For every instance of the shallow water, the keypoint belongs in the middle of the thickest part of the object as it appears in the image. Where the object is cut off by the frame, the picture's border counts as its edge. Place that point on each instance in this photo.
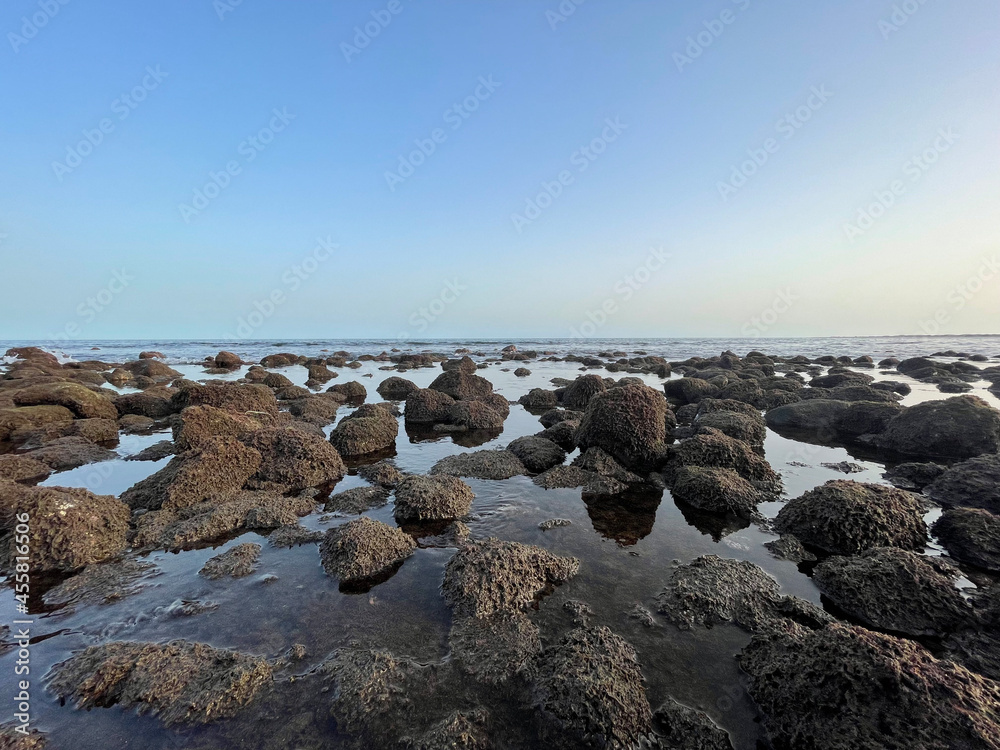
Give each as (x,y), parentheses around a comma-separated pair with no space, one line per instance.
(625,554)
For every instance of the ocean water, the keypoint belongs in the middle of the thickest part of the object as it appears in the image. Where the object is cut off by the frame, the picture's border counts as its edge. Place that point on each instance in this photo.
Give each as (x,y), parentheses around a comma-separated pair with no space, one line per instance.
(191,351)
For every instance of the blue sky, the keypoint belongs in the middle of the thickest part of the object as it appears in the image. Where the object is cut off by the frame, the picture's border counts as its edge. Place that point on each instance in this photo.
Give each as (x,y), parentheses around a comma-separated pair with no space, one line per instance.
(779,168)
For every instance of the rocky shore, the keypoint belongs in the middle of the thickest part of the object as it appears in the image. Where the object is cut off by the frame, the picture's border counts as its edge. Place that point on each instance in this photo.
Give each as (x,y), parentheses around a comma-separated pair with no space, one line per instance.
(881,631)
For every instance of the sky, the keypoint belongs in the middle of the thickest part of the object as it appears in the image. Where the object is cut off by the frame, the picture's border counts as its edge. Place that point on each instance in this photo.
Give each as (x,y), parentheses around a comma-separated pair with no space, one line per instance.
(498,168)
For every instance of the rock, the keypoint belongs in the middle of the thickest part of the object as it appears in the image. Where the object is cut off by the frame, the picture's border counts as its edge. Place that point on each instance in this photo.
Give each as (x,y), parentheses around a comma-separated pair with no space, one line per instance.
(31,417)
(685,728)
(750,429)
(971,536)
(276,380)
(460,729)
(235,397)
(557,416)
(368,430)
(33,354)
(396,389)
(484,464)
(292,460)
(83,402)
(153,370)
(357,500)
(238,562)
(537,453)
(68,527)
(711,448)
(716,491)
(579,393)
(197,424)
(554,523)
(103,583)
(495,648)
(94,430)
(70,452)
(845,377)
(971,484)
(629,424)
(155,452)
(427,406)
(462,386)
(363,550)
(293,535)
(522,372)
(221,464)
(827,419)
(562,434)
(847,688)
(371,693)
(434,498)
(844,517)
(134,424)
(318,374)
(22,469)
(559,477)
(960,427)
(538,399)
(913,476)
(689,390)
(465,364)
(712,591)
(475,415)
(382,473)
(589,691)
(225,514)
(155,403)
(601,462)
(228,360)
(845,467)
(282,359)
(788,547)
(179,682)
(492,576)
(896,590)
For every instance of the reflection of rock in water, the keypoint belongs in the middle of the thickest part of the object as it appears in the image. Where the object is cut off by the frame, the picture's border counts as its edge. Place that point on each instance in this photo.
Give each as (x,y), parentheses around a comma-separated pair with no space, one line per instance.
(714,525)
(459,435)
(626,517)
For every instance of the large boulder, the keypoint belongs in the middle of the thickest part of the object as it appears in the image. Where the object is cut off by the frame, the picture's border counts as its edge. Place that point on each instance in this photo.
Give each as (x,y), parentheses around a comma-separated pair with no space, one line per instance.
(15,468)
(197,424)
(494,576)
(66,528)
(711,448)
(629,423)
(364,549)
(32,417)
(396,388)
(235,397)
(293,460)
(427,406)
(716,490)
(370,429)
(83,402)
(221,464)
(462,386)
(154,403)
(971,484)
(691,390)
(751,429)
(959,427)
(578,393)
(847,688)
(589,690)
(538,399)
(435,498)
(971,535)
(896,590)
(843,517)
(179,682)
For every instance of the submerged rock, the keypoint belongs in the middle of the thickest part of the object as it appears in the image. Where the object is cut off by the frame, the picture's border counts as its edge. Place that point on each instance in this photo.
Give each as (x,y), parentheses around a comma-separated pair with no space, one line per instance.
(238,562)
(589,690)
(357,500)
(495,648)
(382,473)
(559,477)
(364,549)
(914,476)
(484,464)
(494,576)
(896,590)
(467,730)
(537,453)
(436,498)
(844,517)
(179,682)
(102,583)
(971,536)
(684,728)
(847,688)
(293,535)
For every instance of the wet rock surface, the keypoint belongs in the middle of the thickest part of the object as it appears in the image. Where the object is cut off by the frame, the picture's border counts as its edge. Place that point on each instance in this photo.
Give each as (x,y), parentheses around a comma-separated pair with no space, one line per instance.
(238,562)
(971,484)
(847,688)
(484,464)
(434,498)
(684,728)
(363,550)
(971,535)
